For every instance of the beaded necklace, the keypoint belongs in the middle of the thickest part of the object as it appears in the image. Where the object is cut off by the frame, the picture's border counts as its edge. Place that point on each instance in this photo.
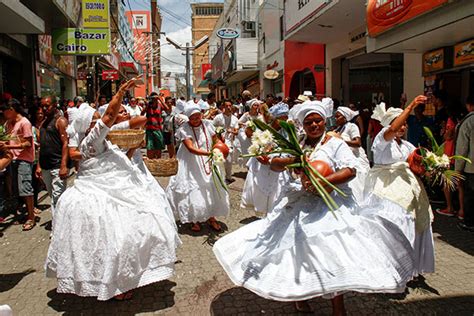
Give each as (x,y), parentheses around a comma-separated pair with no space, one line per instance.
(208,172)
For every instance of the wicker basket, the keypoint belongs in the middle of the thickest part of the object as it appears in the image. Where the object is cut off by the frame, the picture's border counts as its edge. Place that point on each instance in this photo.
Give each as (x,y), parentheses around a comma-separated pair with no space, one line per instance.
(162,167)
(127,138)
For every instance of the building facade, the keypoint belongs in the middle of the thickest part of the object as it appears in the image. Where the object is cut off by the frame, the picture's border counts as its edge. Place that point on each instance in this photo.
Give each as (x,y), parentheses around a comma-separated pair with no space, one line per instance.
(203,20)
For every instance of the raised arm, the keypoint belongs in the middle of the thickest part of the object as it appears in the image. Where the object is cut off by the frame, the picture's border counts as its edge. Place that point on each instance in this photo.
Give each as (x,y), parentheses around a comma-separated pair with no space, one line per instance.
(391,132)
(112,111)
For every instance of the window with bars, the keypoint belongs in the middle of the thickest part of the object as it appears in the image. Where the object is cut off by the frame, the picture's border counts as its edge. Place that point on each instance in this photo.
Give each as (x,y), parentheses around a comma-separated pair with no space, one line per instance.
(208,11)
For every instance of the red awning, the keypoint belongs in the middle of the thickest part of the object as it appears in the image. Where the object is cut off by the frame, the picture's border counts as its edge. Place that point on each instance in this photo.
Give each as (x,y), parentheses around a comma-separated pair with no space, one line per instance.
(128,67)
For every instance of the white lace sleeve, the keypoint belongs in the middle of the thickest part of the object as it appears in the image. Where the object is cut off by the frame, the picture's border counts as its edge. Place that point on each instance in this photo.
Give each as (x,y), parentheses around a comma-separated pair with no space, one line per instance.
(184,132)
(380,143)
(344,157)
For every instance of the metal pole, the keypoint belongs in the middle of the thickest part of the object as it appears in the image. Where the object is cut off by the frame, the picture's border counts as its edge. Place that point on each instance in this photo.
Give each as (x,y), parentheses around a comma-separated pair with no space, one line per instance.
(188,73)
(147,69)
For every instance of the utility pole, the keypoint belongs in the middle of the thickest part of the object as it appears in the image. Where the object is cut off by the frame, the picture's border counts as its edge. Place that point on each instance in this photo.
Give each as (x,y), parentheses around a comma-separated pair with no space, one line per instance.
(188,49)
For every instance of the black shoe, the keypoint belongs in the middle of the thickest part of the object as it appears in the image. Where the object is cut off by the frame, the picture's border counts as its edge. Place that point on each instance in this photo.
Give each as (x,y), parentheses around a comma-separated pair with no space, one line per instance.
(463,226)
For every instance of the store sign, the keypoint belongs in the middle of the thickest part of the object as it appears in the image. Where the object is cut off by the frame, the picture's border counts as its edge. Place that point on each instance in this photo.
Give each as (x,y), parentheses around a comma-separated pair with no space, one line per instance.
(72,41)
(464,53)
(227,33)
(140,21)
(110,74)
(383,15)
(66,64)
(204,69)
(299,11)
(95,14)
(433,61)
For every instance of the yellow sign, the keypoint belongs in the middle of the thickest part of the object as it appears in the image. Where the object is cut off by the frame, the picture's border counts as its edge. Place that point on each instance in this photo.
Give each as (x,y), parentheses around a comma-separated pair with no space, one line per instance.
(464,53)
(95,14)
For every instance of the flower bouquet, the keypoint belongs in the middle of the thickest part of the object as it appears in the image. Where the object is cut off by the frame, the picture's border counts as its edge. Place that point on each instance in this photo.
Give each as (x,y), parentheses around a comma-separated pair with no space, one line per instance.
(216,162)
(434,164)
(267,141)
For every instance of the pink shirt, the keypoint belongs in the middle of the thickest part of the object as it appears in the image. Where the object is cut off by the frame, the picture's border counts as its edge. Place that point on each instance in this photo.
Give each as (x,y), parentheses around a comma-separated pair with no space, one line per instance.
(21,129)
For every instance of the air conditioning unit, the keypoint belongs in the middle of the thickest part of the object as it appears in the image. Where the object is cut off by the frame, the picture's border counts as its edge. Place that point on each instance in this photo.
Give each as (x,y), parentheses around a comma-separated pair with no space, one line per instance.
(248,26)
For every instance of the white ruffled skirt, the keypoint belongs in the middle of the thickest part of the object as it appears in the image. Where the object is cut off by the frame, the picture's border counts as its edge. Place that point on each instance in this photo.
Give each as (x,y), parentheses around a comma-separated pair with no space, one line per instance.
(262,187)
(112,231)
(300,251)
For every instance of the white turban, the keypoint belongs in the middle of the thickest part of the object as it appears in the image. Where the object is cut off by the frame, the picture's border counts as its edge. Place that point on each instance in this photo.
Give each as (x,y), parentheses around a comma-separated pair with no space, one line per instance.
(180,104)
(279,109)
(203,105)
(347,113)
(84,118)
(191,108)
(323,108)
(385,116)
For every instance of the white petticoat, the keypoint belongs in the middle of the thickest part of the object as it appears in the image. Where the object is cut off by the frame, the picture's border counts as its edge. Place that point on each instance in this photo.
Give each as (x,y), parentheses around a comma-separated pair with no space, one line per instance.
(262,187)
(113,231)
(300,251)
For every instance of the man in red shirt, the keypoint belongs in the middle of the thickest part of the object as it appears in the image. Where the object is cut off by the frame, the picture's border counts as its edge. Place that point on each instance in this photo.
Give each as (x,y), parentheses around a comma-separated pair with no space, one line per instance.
(23,150)
(154,127)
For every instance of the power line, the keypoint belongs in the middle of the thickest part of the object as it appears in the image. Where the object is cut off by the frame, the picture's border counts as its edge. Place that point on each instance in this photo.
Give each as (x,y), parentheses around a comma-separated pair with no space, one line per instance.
(123,39)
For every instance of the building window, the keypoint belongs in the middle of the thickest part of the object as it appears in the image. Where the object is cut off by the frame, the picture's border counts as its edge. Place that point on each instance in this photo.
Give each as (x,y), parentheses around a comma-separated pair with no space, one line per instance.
(208,11)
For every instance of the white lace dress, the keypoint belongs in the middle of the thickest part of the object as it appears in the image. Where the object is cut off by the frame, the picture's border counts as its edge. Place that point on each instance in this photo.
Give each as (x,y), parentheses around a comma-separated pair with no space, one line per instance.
(405,202)
(349,132)
(113,232)
(301,250)
(192,192)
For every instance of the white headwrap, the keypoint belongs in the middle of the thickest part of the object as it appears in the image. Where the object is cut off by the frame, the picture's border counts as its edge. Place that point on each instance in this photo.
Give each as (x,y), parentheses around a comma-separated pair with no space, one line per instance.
(180,105)
(279,109)
(191,108)
(347,113)
(203,105)
(385,116)
(251,102)
(323,108)
(83,119)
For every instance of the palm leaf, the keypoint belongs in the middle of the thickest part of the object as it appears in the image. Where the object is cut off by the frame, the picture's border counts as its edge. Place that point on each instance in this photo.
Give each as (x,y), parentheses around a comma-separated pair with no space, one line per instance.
(459,157)
(432,139)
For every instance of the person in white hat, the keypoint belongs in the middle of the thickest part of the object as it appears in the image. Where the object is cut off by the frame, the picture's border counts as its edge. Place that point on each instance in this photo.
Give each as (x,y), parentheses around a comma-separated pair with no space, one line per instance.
(392,183)
(109,218)
(301,250)
(192,192)
(349,132)
(262,185)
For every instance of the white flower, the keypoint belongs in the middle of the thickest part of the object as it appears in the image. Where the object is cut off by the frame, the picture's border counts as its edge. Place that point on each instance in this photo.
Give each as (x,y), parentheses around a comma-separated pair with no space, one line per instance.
(219,130)
(217,156)
(254,149)
(250,124)
(444,161)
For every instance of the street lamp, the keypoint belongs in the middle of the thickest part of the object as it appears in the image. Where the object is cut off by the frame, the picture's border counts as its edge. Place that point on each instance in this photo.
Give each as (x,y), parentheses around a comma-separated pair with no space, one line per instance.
(188,48)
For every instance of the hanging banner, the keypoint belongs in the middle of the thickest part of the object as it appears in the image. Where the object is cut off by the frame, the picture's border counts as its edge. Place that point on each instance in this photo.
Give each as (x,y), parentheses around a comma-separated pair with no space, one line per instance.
(383,15)
(95,13)
(72,41)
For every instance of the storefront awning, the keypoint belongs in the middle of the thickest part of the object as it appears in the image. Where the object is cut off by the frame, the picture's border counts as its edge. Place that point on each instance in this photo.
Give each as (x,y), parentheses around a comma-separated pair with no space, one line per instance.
(240,75)
(18,19)
(129,68)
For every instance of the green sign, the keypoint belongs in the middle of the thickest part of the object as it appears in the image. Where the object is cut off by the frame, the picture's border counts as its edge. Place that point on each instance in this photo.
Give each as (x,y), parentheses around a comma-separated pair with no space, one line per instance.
(72,41)
(95,13)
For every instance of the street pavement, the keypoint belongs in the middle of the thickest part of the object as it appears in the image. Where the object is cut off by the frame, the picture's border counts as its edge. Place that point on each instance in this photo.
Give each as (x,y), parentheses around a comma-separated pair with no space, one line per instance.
(201,287)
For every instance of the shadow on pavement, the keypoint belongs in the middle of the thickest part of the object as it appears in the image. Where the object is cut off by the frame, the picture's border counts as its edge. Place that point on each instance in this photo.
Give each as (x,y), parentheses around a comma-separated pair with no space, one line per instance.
(10,280)
(151,298)
(212,235)
(241,301)
(240,174)
(249,220)
(450,233)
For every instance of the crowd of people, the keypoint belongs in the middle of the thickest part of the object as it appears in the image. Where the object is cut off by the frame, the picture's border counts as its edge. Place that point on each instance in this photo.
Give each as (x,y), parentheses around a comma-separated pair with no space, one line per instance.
(115,228)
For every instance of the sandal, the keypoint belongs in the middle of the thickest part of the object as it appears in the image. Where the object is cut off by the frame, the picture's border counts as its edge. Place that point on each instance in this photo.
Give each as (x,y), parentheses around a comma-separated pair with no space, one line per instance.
(29,224)
(303,307)
(124,297)
(196,227)
(214,224)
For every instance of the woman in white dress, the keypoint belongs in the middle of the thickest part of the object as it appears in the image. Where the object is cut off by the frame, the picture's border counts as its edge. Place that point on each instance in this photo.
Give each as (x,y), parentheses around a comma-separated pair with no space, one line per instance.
(112,231)
(392,183)
(263,185)
(245,133)
(192,192)
(349,132)
(301,250)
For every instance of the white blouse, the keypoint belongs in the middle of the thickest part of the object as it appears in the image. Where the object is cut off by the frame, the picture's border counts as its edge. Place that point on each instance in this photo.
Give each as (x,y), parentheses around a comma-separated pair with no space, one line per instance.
(389,152)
